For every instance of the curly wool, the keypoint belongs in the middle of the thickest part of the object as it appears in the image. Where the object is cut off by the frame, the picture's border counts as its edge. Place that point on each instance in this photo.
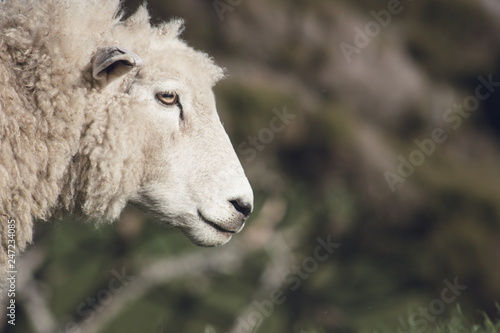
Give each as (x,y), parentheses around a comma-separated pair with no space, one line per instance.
(60,148)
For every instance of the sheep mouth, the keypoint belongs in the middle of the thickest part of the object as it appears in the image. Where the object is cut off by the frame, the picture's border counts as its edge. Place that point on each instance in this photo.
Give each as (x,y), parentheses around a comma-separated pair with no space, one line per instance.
(215,226)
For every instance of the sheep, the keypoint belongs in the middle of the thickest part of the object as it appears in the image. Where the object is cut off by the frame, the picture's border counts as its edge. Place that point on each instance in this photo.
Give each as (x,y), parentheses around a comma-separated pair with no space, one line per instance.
(98,112)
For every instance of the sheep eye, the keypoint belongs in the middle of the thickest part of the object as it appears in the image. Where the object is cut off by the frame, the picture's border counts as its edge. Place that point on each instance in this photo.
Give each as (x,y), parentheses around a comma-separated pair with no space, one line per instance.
(168,98)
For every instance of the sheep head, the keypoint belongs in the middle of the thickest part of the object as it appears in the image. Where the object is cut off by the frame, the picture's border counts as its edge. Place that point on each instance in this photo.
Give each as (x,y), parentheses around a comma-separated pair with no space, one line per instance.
(191,177)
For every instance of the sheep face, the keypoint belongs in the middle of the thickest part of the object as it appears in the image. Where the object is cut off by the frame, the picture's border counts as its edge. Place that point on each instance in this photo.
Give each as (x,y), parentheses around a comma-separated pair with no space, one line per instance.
(192,178)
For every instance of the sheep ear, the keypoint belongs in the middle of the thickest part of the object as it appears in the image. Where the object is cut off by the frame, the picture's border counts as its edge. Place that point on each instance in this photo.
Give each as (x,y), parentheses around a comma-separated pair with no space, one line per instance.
(113,60)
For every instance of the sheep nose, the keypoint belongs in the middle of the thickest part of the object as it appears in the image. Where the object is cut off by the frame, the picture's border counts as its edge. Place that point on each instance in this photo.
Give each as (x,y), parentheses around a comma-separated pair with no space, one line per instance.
(242,206)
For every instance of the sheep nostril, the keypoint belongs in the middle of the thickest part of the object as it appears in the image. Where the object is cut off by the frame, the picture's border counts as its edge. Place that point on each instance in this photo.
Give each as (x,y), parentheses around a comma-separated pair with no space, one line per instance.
(242,206)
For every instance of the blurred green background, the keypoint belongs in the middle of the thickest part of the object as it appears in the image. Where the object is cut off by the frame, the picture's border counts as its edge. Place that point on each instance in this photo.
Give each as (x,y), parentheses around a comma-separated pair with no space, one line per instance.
(322,175)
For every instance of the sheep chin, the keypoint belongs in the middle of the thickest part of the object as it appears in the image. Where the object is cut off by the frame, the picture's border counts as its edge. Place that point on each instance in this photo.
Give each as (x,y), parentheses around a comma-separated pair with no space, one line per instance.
(206,235)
